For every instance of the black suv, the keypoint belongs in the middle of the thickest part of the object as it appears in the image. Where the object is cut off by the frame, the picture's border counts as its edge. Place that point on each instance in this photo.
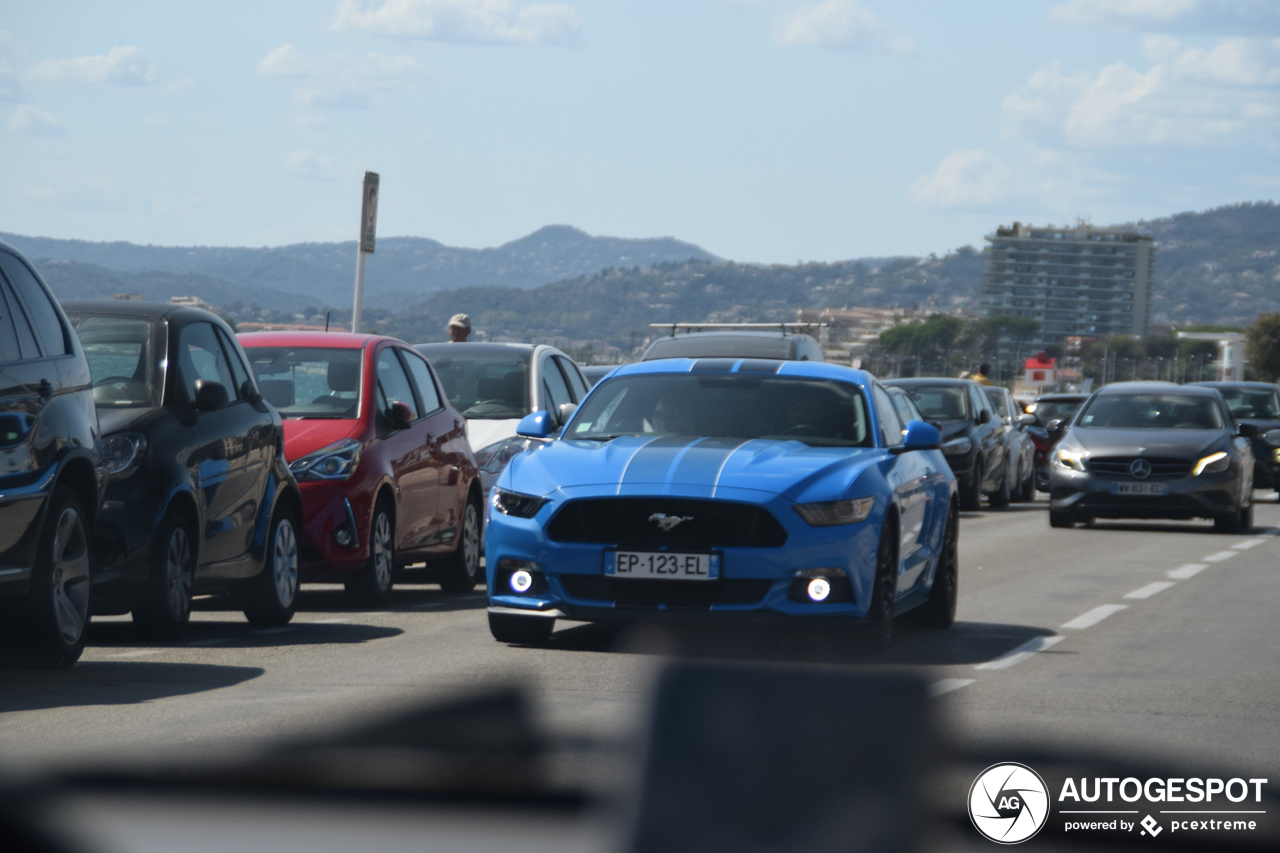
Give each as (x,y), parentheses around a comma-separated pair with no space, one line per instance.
(51,474)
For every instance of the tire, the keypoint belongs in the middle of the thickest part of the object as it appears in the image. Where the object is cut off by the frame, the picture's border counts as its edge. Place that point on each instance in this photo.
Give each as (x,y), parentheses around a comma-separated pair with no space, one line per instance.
(1236,522)
(372,584)
(462,571)
(272,596)
(939,611)
(165,607)
(1027,488)
(1061,519)
(1246,519)
(1000,498)
(971,489)
(56,608)
(884,591)
(520,630)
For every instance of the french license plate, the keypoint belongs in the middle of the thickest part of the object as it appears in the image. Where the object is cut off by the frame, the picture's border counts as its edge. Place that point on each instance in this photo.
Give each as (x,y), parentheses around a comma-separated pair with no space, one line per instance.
(662,565)
(1139,489)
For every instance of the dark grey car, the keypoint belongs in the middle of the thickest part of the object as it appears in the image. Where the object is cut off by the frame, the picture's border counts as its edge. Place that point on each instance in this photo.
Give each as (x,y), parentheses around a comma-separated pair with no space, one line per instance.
(1258,404)
(1154,450)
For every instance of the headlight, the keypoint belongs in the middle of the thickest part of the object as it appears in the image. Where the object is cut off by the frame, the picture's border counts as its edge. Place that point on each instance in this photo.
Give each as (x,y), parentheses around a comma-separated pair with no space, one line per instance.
(1068,458)
(122,452)
(336,462)
(1211,464)
(494,457)
(957,447)
(516,504)
(1272,437)
(830,513)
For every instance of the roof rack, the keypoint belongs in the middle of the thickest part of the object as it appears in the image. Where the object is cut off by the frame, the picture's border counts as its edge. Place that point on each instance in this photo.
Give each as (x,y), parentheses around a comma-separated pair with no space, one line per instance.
(781,328)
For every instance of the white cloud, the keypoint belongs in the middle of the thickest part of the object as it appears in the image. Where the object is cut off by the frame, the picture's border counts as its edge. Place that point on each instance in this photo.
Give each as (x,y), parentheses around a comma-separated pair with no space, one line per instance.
(340,80)
(966,178)
(305,120)
(1121,11)
(28,119)
(311,165)
(1240,17)
(839,24)
(127,64)
(462,20)
(180,84)
(1225,95)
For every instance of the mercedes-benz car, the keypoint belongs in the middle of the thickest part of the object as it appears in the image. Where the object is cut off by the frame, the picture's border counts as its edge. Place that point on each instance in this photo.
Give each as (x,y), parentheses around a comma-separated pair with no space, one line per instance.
(1154,450)
(724,489)
(1257,404)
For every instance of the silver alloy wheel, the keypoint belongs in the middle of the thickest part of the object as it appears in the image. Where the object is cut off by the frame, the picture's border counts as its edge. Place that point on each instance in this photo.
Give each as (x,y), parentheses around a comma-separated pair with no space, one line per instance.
(70,576)
(177,574)
(285,563)
(470,540)
(382,552)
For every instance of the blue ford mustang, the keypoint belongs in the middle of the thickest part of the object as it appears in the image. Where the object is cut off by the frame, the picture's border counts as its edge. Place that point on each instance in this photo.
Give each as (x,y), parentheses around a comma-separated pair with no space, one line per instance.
(723,489)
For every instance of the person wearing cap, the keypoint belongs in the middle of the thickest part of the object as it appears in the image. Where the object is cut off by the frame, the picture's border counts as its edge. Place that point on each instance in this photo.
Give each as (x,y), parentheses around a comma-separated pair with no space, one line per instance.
(459,328)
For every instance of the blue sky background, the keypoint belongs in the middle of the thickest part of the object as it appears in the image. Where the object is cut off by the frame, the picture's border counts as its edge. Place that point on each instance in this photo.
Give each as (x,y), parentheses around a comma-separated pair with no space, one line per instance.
(763,130)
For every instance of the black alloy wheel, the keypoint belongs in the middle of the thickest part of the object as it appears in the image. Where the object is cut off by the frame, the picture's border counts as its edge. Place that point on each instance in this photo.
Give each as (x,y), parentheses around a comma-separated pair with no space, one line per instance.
(462,571)
(939,611)
(520,630)
(56,608)
(272,596)
(165,607)
(372,584)
(884,590)
(971,489)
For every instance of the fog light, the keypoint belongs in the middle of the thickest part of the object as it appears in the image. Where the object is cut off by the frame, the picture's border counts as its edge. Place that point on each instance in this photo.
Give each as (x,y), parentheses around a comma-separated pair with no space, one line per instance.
(343,537)
(819,589)
(521,581)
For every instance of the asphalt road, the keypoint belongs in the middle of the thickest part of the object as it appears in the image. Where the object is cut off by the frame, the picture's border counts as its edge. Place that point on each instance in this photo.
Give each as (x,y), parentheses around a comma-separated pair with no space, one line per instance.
(1156,639)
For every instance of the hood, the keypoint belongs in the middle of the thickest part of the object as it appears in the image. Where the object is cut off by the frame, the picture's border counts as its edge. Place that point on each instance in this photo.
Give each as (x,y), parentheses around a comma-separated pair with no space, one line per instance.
(112,420)
(482,432)
(788,468)
(307,436)
(1189,443)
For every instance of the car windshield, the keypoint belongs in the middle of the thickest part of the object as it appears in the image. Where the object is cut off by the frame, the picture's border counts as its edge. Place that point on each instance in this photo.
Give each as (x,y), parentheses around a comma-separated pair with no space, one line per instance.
(490,385)
(122,354)
(939,402)
(728,405)
(1052,410)
(1151,411)
(309,382)
(1259,403)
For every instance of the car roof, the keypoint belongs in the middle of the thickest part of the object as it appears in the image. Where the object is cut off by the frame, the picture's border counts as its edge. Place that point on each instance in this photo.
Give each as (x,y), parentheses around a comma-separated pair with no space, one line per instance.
(930,380)
(130,308)
(1258,385)
(780,367)
(1148,387)
(323,340)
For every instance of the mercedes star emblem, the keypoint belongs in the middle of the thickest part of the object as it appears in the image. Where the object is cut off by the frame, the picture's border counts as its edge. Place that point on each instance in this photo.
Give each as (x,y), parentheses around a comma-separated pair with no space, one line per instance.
(1140,469)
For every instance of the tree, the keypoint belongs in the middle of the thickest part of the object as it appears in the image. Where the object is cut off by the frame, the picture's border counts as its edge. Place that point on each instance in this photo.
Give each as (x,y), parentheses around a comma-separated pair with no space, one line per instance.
(1262,345)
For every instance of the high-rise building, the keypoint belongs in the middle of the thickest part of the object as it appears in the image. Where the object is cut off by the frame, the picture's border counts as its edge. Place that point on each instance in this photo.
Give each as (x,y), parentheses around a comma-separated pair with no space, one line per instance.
(1080,280)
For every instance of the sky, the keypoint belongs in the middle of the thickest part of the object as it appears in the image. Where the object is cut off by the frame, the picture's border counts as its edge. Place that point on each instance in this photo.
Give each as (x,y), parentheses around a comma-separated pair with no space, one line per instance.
(770,131)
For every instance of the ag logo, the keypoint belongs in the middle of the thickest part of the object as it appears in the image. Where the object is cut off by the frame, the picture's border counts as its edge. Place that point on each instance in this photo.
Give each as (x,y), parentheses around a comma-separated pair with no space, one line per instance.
(1008,803)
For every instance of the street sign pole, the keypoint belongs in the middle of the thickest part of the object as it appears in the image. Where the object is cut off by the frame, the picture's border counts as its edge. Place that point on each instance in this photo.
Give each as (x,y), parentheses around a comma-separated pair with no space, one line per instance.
(364,245)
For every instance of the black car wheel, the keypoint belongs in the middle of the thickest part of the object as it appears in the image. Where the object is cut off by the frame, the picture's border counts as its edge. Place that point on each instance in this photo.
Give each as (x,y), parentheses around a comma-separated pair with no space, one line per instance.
(1027,488)
(57,601)
(971,489)
(884,591)
(372,584)
(939,611)
(1000,497)
(272,596)
(520,630)
(463,569)
(1236,522)
(1059,518)
(165,607)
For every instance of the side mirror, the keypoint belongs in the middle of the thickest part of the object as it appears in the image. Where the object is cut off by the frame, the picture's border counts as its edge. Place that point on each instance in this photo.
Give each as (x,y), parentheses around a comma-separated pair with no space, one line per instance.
(211,395)
(566,411)
(400,415)
(1248,430)
(1056,424)
(536,425)
(984,417)
(250,392)
(920,436)
(1027,420)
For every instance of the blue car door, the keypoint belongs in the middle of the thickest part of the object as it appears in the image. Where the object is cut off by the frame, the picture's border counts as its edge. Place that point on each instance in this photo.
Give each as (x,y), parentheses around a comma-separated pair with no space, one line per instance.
(907,474)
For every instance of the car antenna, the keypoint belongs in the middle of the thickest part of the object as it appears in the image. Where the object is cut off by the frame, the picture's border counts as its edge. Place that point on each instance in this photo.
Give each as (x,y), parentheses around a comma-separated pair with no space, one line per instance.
(326,319)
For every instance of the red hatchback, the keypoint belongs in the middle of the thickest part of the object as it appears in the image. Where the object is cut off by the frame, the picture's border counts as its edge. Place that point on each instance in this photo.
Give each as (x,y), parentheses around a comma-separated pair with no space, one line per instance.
(381,456)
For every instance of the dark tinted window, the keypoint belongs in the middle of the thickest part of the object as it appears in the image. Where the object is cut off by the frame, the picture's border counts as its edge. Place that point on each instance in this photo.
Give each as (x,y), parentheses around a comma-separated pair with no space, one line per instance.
(393,382)
(557,390)
(1151,411)
(484,384)
(720,346)
(421,375)
(238,371)
(200,356)
(309,382)
(903,406)
(946,402)
(1000,400)
(1049,410)
(9,350)
(43,314)
(890,426)
(123,359)
(1244,402)
(577,386)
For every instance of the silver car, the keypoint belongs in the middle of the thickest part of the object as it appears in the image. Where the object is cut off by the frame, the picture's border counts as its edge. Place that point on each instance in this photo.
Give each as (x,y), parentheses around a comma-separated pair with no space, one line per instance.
(1153,450)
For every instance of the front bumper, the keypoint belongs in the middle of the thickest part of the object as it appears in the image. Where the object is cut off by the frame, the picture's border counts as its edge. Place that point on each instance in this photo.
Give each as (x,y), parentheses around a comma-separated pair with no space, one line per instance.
(1089,495)
(328,507)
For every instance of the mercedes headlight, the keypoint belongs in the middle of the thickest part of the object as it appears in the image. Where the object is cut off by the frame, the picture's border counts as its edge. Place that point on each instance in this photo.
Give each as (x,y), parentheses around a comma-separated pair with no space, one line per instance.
(1067,457)
(338,461)
(122,453)
(1214,463)
(831,513)
(957,447)
(516,504)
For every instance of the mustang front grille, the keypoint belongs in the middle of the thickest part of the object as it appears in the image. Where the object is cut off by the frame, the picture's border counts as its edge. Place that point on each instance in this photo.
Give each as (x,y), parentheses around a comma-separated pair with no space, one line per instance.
(672,523)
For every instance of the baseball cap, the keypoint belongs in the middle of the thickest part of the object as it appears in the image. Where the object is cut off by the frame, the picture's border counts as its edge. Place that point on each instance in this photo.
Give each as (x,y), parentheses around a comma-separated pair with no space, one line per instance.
(460,320)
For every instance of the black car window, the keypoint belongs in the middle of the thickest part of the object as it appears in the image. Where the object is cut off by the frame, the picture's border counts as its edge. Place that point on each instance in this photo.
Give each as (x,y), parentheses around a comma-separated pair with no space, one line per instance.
(940,402)
(422,380)
(890,426)
(483,384)
(44,316)
(1152,411)
(577,386)
(1257,403)
(394,383)
(556,389)
(309,382)
(122,357)
(200,356)
(978,400)
(903,406)
(9,349)
(1050,410)
(238,371)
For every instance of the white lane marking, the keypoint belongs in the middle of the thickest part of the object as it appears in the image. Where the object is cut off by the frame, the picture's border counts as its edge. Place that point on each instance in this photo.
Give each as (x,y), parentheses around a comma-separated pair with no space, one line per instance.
(1094,616)
(137,653)
(1190,570)
(1220,556)
(216,641)
(1028,649)
(1149,590)
(279,629)
(1248,543)
(946,685)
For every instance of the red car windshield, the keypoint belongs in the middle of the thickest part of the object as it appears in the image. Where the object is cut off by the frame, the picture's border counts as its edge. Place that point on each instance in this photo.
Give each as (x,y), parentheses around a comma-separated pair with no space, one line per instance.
(309,382)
